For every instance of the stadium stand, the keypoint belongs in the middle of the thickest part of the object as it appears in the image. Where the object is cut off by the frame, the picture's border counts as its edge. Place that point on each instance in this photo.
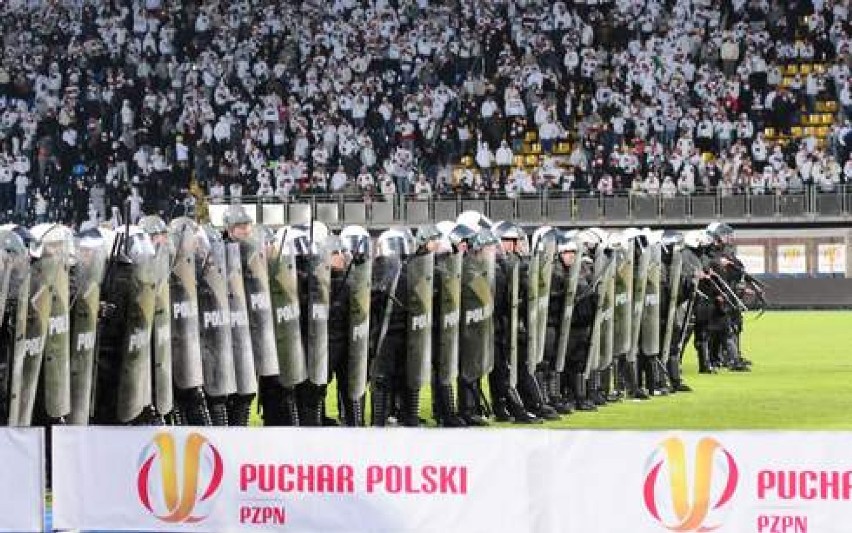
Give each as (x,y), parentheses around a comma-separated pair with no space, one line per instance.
(157,105)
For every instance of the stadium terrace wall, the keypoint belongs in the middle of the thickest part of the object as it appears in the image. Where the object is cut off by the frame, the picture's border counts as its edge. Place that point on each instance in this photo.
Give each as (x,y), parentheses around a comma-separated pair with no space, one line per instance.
(563,209)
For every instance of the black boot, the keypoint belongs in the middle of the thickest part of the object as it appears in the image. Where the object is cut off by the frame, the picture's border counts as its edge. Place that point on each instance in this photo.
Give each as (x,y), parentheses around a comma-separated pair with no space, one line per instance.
(517,411)
(618,376)
(735,364)
(560,403)
(176,417)
(677,384)
(195,407)
(289,408)
(411,408)
(445,407)
(631,381)
(610,394)
(581,398)
(353,412)
(218,407)
(499,403)
(239,409)
(594,388)
(381,402)
(540,407)
(702,350)
(469,404)
(653,379)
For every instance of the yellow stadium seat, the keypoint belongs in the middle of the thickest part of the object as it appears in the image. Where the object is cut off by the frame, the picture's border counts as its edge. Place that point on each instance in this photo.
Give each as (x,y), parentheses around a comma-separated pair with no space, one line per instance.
(532,160)
(791,70)
(796,131)
(535,148)
(819,67)
(823,131)
(804,69)
(831,106)
(806,119)
(518,160)
(828,119)
(531,136)
(769,132)
(467,161)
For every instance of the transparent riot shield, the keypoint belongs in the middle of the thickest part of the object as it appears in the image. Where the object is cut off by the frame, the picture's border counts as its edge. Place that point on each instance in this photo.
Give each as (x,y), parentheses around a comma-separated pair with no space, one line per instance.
(420,271)
(214,315)
(87,276)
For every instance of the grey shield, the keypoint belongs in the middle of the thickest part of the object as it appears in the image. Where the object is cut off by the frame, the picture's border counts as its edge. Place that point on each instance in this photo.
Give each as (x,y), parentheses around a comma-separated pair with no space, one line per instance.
(602,271)
(284,290)
(386,274)
(476,347)
(514,291)
(186,348)
(623,308)
(607,330)
(134,381)
(675,270)
(319,294)
(357,356)
(418,363)
(5,273)
(57,343)
(240,332)
(650,336)
(531,281)
(161,343)
(640,280)
(448,270)
(84,323)
(547,254)
(567,312)
(27,368)
(17,302)
(261,324)
(214,316)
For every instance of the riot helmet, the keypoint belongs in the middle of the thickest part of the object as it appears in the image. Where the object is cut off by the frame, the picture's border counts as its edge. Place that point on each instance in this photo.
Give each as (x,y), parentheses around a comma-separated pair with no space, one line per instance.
(393,242)
(460,237)
(356,241)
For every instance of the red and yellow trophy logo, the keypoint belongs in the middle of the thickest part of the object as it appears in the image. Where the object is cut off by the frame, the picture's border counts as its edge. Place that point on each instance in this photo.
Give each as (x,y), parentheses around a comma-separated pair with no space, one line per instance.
(179,487)
(667,492)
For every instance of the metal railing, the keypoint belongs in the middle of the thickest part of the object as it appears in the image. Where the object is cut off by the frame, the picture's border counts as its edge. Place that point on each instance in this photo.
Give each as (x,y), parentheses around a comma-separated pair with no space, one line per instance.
(811,206)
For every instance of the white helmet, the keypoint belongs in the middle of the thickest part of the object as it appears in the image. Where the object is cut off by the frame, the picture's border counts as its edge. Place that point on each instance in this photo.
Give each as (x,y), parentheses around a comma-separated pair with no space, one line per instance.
(474,220)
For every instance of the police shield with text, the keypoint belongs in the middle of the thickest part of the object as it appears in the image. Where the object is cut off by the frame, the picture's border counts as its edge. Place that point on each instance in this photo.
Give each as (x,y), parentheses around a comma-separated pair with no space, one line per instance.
(87,275)
(239,404)
(214,320)
(349,321)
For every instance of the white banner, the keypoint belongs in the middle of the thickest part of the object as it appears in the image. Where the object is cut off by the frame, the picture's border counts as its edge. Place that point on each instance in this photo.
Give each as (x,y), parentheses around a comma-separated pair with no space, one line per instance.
(831,258)
(737,482)
(22,479)
(185,479)
(300,479)
(792,259)
(753,258)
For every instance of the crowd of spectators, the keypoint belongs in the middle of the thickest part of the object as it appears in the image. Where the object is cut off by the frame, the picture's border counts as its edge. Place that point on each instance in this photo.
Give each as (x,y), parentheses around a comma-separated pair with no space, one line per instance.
(148,104)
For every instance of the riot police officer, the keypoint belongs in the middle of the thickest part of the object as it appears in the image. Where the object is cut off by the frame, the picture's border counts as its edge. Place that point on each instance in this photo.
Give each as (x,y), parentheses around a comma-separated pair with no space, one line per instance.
(349,321)
(401,325)
(510,303)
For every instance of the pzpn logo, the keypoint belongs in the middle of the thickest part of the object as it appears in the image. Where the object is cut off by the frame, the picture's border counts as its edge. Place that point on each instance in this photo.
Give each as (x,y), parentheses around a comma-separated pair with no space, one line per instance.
(178,486)
(686,495)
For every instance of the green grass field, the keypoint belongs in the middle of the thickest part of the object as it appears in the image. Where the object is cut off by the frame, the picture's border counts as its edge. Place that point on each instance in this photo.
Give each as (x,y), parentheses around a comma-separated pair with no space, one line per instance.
(800,380)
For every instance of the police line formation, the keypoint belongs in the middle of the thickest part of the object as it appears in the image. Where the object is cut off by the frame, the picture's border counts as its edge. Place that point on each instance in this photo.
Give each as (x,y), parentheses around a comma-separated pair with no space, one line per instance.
(183,324)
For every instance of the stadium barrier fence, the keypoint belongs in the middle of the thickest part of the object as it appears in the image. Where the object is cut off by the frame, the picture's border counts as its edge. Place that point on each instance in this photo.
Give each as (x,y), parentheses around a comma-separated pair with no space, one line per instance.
(809,206)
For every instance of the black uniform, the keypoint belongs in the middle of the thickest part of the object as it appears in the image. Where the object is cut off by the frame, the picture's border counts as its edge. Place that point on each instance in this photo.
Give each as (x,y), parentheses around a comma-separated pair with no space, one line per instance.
(505,398)
(579,340)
